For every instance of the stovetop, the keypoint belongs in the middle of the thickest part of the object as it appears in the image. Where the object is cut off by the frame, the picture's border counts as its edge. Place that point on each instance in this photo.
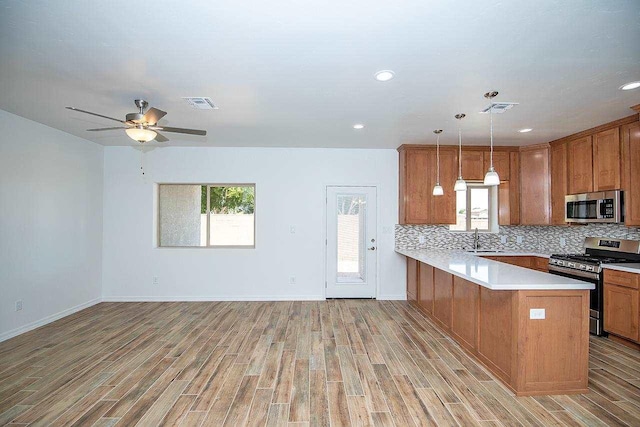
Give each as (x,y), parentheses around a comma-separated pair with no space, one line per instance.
(590,259)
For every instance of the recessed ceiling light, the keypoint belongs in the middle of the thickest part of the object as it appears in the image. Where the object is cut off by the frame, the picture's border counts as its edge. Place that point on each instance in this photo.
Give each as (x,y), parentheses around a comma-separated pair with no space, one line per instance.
(384,75)
(525,130)
(629,86)
(358,126)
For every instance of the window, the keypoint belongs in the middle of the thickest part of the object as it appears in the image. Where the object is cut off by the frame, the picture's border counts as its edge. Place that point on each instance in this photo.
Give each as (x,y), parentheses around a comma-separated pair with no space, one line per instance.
(200,215)
(475,209)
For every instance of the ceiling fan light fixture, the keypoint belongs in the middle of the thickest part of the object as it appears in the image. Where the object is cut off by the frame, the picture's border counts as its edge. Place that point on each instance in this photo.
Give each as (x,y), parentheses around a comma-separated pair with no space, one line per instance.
(141,134)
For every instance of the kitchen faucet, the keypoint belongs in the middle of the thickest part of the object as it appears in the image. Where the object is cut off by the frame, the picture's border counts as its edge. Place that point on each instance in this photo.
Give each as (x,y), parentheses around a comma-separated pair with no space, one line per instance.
(476,240)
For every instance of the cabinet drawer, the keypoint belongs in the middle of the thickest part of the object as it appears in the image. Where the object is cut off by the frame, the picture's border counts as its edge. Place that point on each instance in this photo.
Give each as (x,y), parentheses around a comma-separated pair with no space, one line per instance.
(621,278)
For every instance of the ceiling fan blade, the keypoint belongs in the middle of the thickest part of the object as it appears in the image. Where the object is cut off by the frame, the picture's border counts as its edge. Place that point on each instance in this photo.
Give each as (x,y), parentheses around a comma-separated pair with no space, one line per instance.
(95,114)
(182,130)
(153,115)
(101,129)
(160,137)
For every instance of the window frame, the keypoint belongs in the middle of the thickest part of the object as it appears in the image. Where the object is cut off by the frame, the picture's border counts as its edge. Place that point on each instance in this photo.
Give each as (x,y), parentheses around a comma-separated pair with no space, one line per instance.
(208,232)
(492,210)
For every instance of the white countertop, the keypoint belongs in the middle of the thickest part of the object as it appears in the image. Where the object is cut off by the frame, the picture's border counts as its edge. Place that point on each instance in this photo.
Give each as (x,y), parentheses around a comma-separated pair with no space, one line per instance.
(630,267)
(493,274)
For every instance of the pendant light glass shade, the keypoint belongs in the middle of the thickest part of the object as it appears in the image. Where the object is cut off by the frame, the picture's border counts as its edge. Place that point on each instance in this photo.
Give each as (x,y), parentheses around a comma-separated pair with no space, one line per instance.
(437,189)
(460,184)
(491,178)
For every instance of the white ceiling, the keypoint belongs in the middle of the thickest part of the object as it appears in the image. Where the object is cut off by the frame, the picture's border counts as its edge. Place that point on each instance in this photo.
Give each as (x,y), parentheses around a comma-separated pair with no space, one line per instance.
(300,73)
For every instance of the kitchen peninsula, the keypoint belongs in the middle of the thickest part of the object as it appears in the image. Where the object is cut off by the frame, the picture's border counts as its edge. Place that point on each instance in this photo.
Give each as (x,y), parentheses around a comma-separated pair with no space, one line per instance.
(529,328)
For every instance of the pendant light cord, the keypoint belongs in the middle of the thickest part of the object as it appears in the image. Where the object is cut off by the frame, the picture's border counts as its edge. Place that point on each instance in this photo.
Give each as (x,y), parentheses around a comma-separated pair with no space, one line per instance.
(491,120)
(459,151)
(438,159)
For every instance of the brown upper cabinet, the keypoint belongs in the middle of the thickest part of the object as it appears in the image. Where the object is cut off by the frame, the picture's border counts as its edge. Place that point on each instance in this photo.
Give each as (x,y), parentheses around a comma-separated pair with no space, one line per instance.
(473,165)
(606,160)
(631,168)
(534,179)
(580,156)
(534,185)
(558,182)
(501,163)
(417,178)
(594,162)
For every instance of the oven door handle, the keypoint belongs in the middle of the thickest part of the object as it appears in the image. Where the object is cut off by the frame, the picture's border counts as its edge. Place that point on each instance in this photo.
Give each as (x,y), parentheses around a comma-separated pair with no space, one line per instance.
(573,272)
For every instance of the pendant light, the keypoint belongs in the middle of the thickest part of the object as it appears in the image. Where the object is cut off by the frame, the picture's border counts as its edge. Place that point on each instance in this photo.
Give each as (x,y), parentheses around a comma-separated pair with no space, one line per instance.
(437,189)
(460,185)
(491,178)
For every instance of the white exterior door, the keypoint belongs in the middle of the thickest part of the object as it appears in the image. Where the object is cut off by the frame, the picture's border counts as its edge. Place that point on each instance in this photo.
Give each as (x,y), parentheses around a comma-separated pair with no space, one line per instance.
(351,242)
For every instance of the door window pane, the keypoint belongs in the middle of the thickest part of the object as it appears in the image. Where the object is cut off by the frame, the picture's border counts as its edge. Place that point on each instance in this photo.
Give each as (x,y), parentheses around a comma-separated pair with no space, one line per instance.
(351,212)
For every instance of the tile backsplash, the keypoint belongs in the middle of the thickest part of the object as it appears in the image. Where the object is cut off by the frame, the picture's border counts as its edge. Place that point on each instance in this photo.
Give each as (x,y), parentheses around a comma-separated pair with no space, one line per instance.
(540,239)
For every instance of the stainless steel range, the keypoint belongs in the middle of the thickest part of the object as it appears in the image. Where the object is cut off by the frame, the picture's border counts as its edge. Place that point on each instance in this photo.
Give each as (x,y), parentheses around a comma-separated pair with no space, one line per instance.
(588,267)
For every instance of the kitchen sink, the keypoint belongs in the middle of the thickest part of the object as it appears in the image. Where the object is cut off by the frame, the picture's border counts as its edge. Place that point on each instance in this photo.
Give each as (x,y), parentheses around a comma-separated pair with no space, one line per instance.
(483,251)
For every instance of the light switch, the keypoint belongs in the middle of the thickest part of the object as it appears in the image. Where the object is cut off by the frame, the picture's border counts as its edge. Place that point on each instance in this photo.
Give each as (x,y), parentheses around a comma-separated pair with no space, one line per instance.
(503,239)
(537,313)
(292,229)
(422,240)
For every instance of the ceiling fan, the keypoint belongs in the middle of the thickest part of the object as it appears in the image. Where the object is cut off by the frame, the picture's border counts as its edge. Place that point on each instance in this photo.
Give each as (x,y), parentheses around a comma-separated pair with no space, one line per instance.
(143,127)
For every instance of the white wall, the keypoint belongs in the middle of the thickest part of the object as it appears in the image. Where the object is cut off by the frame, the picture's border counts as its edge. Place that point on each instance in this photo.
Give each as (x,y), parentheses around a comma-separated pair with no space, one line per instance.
(50,223)
(290,187)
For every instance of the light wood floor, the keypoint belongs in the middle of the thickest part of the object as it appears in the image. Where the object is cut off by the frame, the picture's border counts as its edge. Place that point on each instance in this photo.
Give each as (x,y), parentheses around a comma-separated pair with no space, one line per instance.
(348,362)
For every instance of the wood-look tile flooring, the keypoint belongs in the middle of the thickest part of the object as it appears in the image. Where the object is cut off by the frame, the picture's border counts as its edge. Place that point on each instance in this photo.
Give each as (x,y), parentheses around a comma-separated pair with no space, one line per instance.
(347,362)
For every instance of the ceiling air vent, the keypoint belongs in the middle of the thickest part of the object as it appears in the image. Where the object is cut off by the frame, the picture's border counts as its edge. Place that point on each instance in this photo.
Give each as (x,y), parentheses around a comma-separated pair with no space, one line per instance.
(498,107)
(200,102)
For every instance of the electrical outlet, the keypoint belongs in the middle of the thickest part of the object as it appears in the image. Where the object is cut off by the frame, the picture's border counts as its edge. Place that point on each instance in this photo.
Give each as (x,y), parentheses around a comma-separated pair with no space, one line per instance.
(19,305)
(537,313)
(519,239)
(292,280)
(292,229)
(503,239)
(422,240)
(563,241)
(155,280)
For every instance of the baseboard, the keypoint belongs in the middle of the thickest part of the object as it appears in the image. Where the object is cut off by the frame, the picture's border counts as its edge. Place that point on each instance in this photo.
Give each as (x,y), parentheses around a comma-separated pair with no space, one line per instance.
(401,297)
(213,298)
(46,320)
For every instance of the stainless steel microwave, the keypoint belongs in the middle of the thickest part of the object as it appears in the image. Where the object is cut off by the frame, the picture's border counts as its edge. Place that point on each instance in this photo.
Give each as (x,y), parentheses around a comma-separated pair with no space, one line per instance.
(603,206)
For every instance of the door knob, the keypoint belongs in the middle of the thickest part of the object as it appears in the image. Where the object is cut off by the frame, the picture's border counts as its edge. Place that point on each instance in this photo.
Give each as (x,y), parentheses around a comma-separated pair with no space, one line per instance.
(372,248)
